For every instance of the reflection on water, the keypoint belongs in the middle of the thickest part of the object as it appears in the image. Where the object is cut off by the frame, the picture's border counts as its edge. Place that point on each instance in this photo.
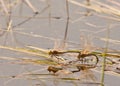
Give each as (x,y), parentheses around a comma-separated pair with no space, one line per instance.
(24,26)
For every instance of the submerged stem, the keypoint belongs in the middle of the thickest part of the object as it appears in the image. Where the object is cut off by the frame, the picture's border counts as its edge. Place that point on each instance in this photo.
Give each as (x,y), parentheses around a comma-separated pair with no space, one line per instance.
(67,22)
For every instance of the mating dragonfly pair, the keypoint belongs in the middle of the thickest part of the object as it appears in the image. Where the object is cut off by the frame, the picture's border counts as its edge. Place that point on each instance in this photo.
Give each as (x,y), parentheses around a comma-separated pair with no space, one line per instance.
(82,58)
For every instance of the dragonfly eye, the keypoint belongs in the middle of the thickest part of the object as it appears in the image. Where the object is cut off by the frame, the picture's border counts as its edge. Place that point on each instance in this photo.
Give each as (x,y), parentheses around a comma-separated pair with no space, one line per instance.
(54,52)
(81,56)
(53,69)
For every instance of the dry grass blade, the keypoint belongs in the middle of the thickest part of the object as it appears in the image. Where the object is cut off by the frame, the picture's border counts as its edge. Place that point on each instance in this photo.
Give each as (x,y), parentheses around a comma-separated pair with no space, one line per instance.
(9,58)
(30,5)
(4,6)
(99,7)
(23,50)
(110,9)
(111,41)
(39,49)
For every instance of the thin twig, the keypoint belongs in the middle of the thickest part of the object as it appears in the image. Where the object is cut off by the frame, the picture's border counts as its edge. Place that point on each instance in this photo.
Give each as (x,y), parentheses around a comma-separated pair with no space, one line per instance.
(28,19)
(67,22)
